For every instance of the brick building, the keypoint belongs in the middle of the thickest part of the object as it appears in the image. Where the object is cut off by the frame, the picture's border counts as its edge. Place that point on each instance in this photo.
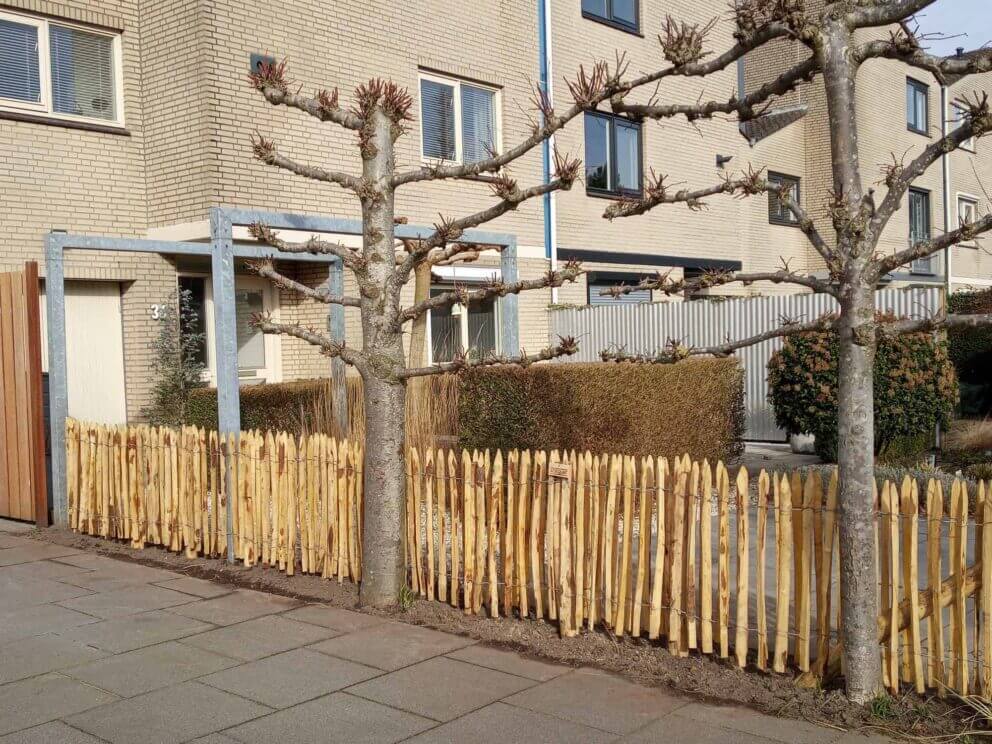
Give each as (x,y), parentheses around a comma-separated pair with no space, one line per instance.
(133,118)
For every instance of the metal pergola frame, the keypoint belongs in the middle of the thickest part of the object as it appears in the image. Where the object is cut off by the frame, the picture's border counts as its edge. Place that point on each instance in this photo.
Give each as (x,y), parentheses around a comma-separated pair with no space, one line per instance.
(223,252)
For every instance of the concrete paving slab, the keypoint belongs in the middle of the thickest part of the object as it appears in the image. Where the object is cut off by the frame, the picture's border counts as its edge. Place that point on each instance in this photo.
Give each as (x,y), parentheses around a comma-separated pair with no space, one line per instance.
(42,570)
(392,645)
(134,631)
(263,636)
(17,592)
(338,718)
(196,587)
(619,706)
(676,730)
(215,739)
(441,688)
(137,672)
(290,678)
(240,605)
(509,662)
(119,575)
(30,702)
(345,621)
(167,716)
(55,732)
(12,525)
(38,620)
(499,723)
(36,551)
(127,601)
(744,720)
(40,654)
(12,541)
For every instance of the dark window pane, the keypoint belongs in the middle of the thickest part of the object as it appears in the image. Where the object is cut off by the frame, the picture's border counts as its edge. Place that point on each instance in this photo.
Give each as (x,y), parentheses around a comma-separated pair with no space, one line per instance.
(446,333)
(437,104)
(628,156)
(916,106)
(597,131)
(625,11)
(777,211)
(596,7)
(20,80)
(482,327)
(193,311)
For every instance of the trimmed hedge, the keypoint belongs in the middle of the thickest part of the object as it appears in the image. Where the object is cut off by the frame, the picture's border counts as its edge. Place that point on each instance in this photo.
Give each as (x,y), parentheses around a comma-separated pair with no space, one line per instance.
(971,352)
(914,381)
(282,407)
(695,406)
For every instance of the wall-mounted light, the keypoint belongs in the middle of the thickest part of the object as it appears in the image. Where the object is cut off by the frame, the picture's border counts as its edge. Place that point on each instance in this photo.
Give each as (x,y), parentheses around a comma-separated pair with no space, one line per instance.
(722,160)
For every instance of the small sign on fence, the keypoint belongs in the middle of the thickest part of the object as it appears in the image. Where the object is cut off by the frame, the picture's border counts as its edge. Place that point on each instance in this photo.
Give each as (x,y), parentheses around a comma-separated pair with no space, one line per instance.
(559,469)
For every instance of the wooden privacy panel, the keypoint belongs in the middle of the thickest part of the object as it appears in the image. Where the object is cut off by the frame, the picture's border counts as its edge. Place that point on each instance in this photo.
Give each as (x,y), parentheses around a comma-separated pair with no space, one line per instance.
(22,438)
(681,553)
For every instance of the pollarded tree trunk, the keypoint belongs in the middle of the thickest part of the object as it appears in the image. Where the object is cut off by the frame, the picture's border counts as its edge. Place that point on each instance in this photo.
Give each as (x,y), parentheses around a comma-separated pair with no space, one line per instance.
(855,458)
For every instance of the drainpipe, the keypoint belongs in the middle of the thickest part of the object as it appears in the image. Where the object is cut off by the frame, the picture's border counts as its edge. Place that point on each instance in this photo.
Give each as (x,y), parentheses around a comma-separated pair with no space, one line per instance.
(544,81)
(945,164)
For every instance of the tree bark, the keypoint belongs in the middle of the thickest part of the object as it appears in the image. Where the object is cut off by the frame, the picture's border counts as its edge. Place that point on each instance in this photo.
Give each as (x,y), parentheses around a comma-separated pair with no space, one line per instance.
(856,462)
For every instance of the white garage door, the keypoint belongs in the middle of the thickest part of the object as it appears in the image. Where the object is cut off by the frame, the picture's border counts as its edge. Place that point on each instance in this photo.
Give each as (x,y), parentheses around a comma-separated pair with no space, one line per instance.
(94,351)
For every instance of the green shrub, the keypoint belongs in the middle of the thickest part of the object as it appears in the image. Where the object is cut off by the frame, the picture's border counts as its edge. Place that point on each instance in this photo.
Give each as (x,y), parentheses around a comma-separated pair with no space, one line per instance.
(696,406)
(282,407)
(915,388)
(971,351)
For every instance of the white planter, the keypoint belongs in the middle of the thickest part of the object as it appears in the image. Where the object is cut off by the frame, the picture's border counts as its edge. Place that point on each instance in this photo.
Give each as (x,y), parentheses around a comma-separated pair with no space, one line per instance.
(802,444)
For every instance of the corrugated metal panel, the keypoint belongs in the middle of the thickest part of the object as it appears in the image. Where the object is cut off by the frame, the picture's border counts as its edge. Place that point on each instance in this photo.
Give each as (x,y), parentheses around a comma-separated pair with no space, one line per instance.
(644,328)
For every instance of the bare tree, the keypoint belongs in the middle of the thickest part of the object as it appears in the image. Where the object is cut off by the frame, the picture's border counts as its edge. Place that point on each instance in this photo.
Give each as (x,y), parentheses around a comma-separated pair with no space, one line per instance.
(854,268)
(383,265)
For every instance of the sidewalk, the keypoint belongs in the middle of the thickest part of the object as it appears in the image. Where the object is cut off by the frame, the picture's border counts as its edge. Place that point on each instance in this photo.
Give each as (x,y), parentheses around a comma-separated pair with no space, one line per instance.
(98,650)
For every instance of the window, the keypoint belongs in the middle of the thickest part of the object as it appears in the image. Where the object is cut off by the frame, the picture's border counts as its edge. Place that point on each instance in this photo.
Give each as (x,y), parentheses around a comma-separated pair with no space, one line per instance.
(60,70)
(959,118)
(919,228)
(598,282)
(456,328)
(619,13)
(458,121)
(967,213)
(613,155)
(778,213)
(917,106)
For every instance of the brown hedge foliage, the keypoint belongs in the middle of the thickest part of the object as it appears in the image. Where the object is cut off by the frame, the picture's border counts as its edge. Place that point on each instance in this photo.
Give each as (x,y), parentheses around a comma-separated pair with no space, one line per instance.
(696,406)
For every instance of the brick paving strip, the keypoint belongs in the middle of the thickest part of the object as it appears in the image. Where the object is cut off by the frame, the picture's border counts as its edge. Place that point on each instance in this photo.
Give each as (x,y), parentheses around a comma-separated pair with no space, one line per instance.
(98,650)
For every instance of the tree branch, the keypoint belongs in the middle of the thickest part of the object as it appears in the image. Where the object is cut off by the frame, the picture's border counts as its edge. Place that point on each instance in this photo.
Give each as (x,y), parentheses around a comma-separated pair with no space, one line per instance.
(676,352)
(565,347)
(966,232)
(901,46)
(658,192)
(665,284)
(267,270)
(744,107)
(270,80)
(328,346)
(936,323)
(568,273)
(875,13)
(898,177)
(265,151)
(265,234)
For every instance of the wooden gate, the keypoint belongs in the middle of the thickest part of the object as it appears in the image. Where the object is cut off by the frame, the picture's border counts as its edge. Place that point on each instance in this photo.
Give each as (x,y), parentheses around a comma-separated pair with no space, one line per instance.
(23,490)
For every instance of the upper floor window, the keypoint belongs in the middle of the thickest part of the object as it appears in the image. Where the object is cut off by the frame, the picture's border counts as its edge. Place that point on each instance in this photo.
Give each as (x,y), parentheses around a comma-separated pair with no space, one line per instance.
(967,213)
(613,155)
(917,106)
(778,213)
(919,228)
(59,69)
(960,116)
(459,121)
(620,13)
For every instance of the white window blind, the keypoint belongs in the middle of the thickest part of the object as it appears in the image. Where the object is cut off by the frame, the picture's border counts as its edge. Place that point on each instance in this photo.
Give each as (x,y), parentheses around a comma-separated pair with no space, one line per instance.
(437,103)
(82,73)
(478,124)
(21,78)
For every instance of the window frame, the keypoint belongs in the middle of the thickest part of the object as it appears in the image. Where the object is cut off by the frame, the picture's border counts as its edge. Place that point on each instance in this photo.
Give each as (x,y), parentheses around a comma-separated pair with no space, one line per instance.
(462,312)
(457,83)
(616,193)
(611,20)
(785,222)
(973,201)
(45,107)
(920,87)
(917,265)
